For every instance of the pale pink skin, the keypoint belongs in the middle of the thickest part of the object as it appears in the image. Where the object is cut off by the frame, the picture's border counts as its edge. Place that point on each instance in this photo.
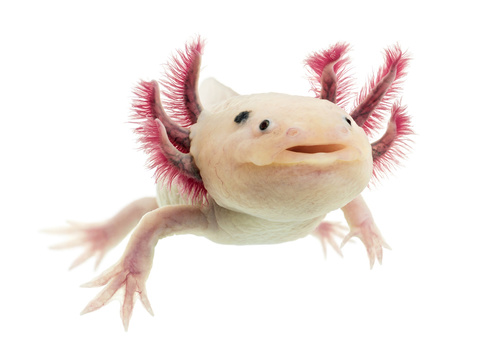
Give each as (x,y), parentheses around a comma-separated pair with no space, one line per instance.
(247,204)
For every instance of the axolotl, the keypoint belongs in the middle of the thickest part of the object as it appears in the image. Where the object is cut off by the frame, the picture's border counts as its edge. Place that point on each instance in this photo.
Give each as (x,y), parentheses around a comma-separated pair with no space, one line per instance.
(255,169)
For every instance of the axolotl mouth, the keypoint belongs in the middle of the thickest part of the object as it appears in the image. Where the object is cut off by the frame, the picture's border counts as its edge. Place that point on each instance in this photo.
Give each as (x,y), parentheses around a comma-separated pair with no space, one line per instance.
(317,154)
(320,148)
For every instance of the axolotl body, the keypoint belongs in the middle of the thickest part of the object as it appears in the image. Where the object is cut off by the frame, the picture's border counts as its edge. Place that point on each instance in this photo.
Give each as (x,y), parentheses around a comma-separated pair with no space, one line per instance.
(257,169)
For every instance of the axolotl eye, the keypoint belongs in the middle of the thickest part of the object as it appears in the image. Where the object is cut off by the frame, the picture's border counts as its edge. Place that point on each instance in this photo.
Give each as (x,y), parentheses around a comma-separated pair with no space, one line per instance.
(244,115)
(264,125)
(348,120)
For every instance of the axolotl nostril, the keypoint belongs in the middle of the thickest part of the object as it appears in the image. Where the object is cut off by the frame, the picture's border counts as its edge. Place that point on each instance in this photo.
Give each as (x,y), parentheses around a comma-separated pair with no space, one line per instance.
(256,169)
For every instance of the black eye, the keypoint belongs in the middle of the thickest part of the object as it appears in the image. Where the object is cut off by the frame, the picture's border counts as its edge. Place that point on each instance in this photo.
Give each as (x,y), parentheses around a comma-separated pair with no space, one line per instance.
(348,120)
(264,125)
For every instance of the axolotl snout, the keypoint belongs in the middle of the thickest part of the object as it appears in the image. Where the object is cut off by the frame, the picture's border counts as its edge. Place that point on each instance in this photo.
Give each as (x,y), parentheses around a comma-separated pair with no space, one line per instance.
(256,169)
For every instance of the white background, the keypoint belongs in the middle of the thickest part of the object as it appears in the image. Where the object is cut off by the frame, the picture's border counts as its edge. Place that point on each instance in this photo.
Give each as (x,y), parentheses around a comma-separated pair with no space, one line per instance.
(67,71)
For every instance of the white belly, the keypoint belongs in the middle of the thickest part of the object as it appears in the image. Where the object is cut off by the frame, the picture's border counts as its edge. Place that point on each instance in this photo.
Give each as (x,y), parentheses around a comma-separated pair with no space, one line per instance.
(236,228)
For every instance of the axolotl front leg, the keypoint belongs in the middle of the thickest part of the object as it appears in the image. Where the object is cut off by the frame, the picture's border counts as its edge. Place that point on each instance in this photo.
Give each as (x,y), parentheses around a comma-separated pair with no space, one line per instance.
(132,270)
(362,225)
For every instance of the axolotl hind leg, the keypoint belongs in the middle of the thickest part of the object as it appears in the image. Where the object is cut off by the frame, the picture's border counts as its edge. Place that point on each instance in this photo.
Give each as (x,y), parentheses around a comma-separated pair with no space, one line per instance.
(326,233)
(127,278)
(99,238)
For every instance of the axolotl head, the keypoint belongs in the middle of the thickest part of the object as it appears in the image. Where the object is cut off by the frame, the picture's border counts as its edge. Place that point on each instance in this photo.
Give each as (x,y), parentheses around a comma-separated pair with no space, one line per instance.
(274,156)
(278,156)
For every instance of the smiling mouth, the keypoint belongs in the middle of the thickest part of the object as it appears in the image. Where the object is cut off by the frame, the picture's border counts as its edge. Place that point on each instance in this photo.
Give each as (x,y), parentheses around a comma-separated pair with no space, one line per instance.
(313,149)
(316,154)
